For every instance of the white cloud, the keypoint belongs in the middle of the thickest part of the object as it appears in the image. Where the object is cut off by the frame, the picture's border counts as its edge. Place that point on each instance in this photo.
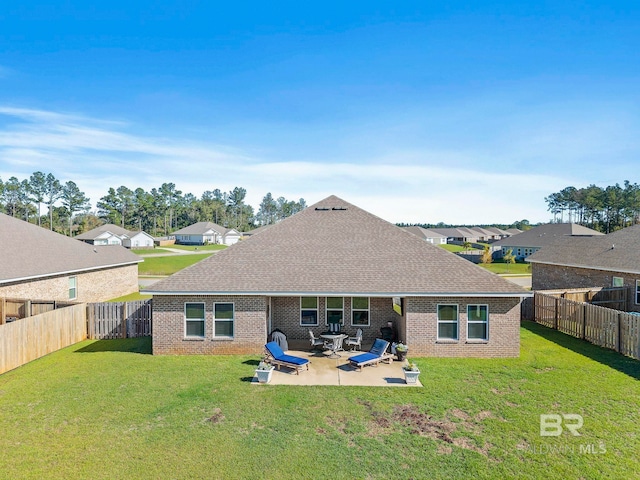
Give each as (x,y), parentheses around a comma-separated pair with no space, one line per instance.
(415,186)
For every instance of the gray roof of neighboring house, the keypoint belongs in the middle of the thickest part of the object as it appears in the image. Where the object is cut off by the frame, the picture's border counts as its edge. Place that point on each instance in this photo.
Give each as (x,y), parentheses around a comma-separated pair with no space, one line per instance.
(200,228)
(482,231)
(618,251)
(96,232)
(513,231)
(28,252)
(334,247)
(424,233)
(498,231)
(255,231)
(545,234)
(456,232)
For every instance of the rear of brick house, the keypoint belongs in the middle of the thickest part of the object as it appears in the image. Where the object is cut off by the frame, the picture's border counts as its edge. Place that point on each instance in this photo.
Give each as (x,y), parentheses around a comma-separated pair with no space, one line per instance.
(334,262)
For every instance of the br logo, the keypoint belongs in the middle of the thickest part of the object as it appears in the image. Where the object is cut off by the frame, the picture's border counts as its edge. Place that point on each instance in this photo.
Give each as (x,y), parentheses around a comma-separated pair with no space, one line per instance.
(551,424)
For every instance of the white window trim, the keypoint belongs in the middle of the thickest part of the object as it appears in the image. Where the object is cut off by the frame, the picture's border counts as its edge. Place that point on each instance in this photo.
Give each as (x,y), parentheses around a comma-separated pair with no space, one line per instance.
(326,310)
(368,310)
(233,319)
(473,305)
(457,322)
(75,288)
(204,319)
(317,310)
(613,282)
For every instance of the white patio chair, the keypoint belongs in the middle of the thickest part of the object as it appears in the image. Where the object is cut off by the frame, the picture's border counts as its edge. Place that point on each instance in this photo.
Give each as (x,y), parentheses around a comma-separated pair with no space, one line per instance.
(316,342)
(355,342)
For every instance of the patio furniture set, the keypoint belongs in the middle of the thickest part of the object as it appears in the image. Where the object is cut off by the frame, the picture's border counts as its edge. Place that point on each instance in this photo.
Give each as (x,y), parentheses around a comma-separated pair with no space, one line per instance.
(378,353)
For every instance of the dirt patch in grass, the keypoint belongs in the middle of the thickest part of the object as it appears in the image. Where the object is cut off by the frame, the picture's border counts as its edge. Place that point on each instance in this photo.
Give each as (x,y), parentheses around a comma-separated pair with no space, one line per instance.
(217,417)
(442,430)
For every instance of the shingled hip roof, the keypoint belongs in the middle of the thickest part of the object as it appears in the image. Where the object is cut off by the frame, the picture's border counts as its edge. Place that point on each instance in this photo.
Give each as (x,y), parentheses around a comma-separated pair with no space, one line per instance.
(334,247)
(29,252)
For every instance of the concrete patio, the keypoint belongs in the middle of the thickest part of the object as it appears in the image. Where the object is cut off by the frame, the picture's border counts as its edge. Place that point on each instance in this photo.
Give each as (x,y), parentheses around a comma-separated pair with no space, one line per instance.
(337,371)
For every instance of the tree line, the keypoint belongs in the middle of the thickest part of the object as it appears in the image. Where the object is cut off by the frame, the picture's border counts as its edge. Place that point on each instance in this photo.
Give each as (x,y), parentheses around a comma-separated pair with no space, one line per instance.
(602,209)
(159,211)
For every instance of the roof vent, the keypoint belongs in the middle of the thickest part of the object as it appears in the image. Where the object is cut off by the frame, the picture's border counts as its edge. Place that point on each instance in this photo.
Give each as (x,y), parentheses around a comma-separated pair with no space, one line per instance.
(322,209)
(339,208)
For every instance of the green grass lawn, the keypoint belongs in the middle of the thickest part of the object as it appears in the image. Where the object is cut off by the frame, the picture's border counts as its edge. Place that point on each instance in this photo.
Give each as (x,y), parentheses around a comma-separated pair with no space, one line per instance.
(131,297)
(149,251)
(106,409)
(513,268)
(199,247)
(168,265)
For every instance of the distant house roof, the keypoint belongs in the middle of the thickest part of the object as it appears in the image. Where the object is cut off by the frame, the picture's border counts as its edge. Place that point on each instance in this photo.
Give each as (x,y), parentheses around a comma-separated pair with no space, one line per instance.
(545,234)
(424,233)
(201,228)
(29,252)
(513,231)
(498,231)
(310,254)
(97,232)
(618,251)
(459,232)
(255,231)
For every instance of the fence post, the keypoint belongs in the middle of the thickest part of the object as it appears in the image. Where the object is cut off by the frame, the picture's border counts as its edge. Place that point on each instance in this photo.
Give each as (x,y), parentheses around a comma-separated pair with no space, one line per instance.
(556,312)
(124,319)
(2,311)
(619,339)
(584,321)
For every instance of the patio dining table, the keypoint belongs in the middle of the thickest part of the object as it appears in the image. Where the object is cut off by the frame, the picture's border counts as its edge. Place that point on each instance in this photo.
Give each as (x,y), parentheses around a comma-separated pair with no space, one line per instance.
(335,344)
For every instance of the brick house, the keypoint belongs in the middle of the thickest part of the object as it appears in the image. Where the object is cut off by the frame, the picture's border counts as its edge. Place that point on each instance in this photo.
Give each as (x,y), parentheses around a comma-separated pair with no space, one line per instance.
(611,260)
(36,263)
(529,242)
(334,262)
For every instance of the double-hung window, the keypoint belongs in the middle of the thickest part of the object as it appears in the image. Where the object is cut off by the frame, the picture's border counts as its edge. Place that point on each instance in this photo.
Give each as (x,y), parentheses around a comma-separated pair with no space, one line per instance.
(335,310)
(477,322)
(617,282)
(360,311)
(73,288)
(309,311)
(447,322)
(223,318)
(194,320)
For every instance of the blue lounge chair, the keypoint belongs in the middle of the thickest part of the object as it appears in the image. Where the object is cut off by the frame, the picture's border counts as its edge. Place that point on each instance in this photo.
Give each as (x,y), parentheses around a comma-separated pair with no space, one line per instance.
(275,356)
(377,353)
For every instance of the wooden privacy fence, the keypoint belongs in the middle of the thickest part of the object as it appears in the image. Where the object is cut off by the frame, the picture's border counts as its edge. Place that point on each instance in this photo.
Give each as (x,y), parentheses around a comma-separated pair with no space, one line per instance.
(30,338)
(619,331)
(119,319)
(12,309)
(611,297)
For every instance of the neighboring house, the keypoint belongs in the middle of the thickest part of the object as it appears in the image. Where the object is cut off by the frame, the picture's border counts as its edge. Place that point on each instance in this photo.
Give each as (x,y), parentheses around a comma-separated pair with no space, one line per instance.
(611,260)
(513,231)
(459,235)
(498,233)
(527,243)
(36,263)
(303,273)
(111,234)
(427,235)
(203,233)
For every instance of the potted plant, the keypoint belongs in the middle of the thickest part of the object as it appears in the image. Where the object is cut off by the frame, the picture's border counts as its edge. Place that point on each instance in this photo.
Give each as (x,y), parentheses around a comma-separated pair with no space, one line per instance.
(264,372)
(401,351)
(411,373)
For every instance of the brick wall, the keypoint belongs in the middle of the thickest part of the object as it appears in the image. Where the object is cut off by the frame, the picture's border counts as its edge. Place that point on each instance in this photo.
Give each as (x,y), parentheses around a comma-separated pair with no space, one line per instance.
(552,277)
(94,286)
(504,328)
(250,326)
(286,317)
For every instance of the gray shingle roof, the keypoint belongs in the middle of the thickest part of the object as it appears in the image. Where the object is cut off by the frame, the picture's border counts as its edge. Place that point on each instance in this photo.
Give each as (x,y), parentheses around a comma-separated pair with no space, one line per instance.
(618,251)
(334,247)
(200,228)
(545,235)
(423,233)
(96,232)
(28,251)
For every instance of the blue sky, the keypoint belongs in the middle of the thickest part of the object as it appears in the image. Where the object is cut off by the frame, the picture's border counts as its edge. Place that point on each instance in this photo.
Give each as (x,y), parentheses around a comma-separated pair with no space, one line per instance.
(461,112)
